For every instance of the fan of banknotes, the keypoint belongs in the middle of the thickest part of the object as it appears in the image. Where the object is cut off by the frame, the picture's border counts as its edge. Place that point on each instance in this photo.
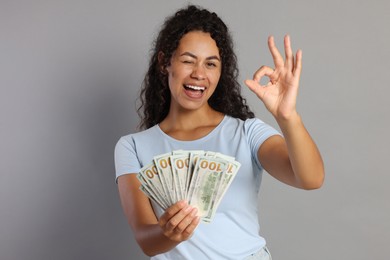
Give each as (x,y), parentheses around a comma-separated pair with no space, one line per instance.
(202,178)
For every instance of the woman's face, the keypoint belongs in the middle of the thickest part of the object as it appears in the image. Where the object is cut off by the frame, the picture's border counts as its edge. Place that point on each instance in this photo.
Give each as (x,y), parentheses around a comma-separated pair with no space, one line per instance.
(194,71)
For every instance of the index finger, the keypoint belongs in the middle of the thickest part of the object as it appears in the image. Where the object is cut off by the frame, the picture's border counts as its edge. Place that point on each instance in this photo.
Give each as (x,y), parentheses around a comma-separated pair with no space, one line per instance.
(277,57)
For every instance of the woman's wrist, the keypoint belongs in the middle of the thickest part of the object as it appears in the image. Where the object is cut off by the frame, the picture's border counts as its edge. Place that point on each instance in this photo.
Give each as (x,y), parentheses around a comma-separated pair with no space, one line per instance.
(289,122)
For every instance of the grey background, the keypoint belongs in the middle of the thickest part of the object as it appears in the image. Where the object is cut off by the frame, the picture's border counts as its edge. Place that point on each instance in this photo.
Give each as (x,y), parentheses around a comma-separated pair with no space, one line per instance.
(70,75)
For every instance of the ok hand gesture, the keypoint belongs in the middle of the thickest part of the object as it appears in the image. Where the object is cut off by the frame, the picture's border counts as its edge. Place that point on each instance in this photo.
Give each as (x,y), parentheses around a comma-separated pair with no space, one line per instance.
(279,95)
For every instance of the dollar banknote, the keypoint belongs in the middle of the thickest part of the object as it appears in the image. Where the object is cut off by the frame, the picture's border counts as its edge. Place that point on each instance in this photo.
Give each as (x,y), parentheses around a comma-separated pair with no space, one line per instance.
(205,184)
(149,175)
(180,163)
(194,156)
(200,177)
(163,165)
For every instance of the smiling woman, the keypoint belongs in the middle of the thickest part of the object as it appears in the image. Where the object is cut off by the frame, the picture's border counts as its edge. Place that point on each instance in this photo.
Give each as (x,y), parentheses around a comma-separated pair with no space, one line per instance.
(155,94)
(193,73)
(191,100)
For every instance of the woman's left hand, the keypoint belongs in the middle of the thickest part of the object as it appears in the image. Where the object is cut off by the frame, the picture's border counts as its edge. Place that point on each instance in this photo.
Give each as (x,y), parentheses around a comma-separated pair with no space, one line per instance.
(279,95)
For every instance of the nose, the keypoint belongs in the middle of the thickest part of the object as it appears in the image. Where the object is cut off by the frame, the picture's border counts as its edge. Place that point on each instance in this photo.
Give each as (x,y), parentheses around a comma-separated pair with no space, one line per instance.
(198,72)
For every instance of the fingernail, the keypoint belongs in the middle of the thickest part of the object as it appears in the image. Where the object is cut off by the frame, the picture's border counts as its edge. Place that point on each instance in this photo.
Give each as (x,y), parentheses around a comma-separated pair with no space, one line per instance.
(183,203)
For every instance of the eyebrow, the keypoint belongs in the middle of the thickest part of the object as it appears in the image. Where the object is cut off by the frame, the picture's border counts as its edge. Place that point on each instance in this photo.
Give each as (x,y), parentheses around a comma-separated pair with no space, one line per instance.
(195,57)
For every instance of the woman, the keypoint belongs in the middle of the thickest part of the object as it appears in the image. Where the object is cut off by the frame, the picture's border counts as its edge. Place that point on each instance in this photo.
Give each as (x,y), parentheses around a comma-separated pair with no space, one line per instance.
(191,100)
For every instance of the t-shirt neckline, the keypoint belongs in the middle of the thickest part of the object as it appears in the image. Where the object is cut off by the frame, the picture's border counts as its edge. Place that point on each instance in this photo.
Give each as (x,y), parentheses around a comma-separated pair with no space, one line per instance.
(209,135)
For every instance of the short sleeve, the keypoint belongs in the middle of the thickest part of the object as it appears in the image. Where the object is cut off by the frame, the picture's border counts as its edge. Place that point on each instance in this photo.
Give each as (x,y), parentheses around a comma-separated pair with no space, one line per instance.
(126,160)
(257,132)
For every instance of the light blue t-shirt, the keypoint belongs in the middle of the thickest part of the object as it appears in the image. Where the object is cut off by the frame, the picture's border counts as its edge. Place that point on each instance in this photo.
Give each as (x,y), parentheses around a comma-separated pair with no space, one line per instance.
(234,231)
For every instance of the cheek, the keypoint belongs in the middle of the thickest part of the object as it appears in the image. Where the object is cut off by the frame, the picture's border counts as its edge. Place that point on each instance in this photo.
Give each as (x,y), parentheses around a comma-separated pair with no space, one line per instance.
(215,78)
(174,74)
(171,78)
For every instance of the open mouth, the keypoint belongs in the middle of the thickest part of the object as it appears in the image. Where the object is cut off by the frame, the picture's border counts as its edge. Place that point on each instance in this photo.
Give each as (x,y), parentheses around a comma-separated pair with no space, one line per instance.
(194,88)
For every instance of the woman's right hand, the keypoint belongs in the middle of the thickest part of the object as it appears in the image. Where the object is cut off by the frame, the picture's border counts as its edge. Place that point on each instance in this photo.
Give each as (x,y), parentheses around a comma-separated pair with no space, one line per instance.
(155,236)
(179,221)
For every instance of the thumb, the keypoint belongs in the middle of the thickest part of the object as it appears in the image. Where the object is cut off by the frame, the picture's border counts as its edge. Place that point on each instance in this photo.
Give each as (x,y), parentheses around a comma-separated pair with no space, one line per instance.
(255,88)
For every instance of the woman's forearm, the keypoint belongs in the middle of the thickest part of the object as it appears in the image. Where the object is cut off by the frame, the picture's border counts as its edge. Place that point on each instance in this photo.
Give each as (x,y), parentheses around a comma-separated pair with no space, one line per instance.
(152,240)
(305,158)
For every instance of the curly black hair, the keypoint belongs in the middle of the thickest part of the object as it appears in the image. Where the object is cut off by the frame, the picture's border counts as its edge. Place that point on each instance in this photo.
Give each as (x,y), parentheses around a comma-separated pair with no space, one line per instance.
(155,95)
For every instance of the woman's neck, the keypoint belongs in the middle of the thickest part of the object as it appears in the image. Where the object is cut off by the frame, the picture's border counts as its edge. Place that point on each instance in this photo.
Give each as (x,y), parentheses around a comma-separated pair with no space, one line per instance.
(191,124)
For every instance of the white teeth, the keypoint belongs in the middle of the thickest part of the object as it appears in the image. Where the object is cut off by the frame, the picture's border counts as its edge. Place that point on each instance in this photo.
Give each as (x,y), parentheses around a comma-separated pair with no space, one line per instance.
(195,87)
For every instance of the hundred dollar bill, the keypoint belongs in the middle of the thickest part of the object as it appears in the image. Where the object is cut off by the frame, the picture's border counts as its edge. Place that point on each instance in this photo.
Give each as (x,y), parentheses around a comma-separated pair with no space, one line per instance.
(194,156)
(149,175)
(227,178)
(163,165)
(205,184)
(198,176)
(148,192)
(179,165)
